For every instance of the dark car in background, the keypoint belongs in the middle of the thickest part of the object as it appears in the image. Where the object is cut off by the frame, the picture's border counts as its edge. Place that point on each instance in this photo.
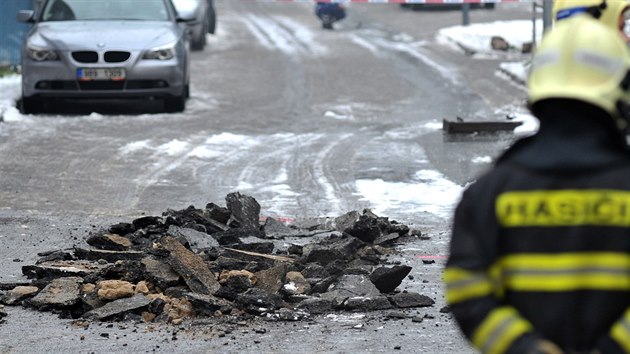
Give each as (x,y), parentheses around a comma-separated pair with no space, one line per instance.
(104,49)
(204,19)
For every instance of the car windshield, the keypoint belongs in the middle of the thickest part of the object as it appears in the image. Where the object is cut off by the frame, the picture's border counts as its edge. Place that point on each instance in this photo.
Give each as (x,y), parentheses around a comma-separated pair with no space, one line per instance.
(79,10)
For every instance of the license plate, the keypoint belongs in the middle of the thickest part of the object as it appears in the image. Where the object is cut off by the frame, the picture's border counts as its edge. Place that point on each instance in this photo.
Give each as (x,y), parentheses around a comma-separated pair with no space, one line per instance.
(114,74)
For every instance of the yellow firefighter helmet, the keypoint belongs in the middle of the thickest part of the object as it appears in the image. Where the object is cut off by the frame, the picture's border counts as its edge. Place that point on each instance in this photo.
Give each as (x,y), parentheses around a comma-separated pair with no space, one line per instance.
(608,11)
(584,60)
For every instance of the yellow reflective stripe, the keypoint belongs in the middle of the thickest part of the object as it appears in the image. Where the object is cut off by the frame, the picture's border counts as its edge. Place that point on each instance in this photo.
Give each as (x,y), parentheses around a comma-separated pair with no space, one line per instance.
(566,283)
(499,330)
(566,260)
(563,272)
(462,285)
(620,332)
(563,208)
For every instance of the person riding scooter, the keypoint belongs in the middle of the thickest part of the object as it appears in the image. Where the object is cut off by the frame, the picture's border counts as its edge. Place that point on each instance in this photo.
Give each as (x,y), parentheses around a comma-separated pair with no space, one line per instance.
(329,13)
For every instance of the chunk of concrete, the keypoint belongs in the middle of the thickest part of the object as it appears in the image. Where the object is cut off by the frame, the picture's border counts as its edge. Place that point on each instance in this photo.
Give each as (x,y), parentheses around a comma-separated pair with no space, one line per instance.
(296,284)
(18,294)
(271,280)
(114,289)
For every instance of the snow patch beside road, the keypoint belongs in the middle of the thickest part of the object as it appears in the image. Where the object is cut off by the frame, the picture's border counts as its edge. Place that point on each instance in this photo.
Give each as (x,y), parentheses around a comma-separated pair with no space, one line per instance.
(429,192)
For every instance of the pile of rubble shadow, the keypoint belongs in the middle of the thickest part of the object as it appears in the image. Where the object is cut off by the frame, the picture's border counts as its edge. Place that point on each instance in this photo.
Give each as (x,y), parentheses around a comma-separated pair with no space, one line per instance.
(220,261)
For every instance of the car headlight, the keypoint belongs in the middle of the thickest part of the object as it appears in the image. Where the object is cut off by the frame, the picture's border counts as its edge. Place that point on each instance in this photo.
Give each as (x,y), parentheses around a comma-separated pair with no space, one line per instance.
(161,53)
(41,54)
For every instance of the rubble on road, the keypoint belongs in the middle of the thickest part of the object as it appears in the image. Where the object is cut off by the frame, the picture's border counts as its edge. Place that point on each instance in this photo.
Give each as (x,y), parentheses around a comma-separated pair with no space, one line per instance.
(220,261)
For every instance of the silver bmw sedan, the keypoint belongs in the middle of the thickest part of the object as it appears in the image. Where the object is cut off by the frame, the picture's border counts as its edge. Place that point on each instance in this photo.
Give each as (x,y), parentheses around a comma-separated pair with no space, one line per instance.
(105,49)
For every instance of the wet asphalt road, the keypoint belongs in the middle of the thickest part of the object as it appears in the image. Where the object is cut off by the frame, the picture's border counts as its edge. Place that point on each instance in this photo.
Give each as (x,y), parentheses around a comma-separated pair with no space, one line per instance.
(295,116)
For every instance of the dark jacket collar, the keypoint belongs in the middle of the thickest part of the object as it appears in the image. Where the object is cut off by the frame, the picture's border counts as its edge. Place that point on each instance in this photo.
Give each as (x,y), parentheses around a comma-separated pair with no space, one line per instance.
(573,136)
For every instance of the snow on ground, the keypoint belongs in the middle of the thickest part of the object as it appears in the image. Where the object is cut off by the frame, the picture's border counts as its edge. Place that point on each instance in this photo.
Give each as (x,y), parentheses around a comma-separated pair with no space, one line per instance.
(10,87)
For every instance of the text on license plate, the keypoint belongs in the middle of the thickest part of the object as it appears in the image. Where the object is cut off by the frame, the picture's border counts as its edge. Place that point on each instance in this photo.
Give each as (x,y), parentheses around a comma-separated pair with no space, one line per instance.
(101,74)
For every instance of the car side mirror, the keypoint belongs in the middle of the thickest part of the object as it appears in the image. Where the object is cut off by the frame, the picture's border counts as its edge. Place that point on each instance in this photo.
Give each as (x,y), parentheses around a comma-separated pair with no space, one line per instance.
(26,16)
(180,19)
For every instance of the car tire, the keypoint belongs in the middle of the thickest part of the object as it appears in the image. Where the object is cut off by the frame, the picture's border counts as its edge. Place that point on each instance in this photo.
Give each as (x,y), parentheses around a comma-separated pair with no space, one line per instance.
(199,43)
(31,105)
(175,104)
(212,20)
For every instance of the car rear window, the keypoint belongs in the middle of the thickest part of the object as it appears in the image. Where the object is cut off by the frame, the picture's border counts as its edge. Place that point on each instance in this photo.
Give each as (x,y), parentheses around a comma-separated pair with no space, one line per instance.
(79,10)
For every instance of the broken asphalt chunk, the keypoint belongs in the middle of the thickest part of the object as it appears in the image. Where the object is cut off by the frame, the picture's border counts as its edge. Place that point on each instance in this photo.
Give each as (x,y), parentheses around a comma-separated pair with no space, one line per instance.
(410,299)
(109,256)
(56,269)
(331,249)
(122,228)
(174,260)
(315,305)
(59,293)
(118,307)
(245,210)
(108,241)
(161,274)
(351,286)
(207,305)
(196,238)
(256,300)
(275,229)
(366,303)
(190,267)
(387,279)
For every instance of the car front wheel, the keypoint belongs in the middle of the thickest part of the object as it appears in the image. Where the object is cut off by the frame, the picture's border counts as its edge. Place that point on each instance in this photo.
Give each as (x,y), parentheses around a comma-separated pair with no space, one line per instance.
(199,42)
(175,104)
(212,20)
(31,105)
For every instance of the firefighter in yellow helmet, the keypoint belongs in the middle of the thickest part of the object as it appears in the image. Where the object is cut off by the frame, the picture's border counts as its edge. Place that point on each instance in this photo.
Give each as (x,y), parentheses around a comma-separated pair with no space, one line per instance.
(612,13)
(539,258)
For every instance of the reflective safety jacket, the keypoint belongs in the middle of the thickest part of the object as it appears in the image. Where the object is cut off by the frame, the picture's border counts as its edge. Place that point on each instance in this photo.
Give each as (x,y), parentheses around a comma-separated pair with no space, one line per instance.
(540,247)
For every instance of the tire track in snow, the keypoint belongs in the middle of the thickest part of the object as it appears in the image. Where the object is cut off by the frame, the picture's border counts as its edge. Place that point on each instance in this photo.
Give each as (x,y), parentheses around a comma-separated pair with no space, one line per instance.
(283,34)
(376,44)
(268,171)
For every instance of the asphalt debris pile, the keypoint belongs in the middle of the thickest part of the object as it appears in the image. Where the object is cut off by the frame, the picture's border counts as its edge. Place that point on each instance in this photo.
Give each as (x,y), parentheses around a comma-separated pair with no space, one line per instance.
(220,261)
